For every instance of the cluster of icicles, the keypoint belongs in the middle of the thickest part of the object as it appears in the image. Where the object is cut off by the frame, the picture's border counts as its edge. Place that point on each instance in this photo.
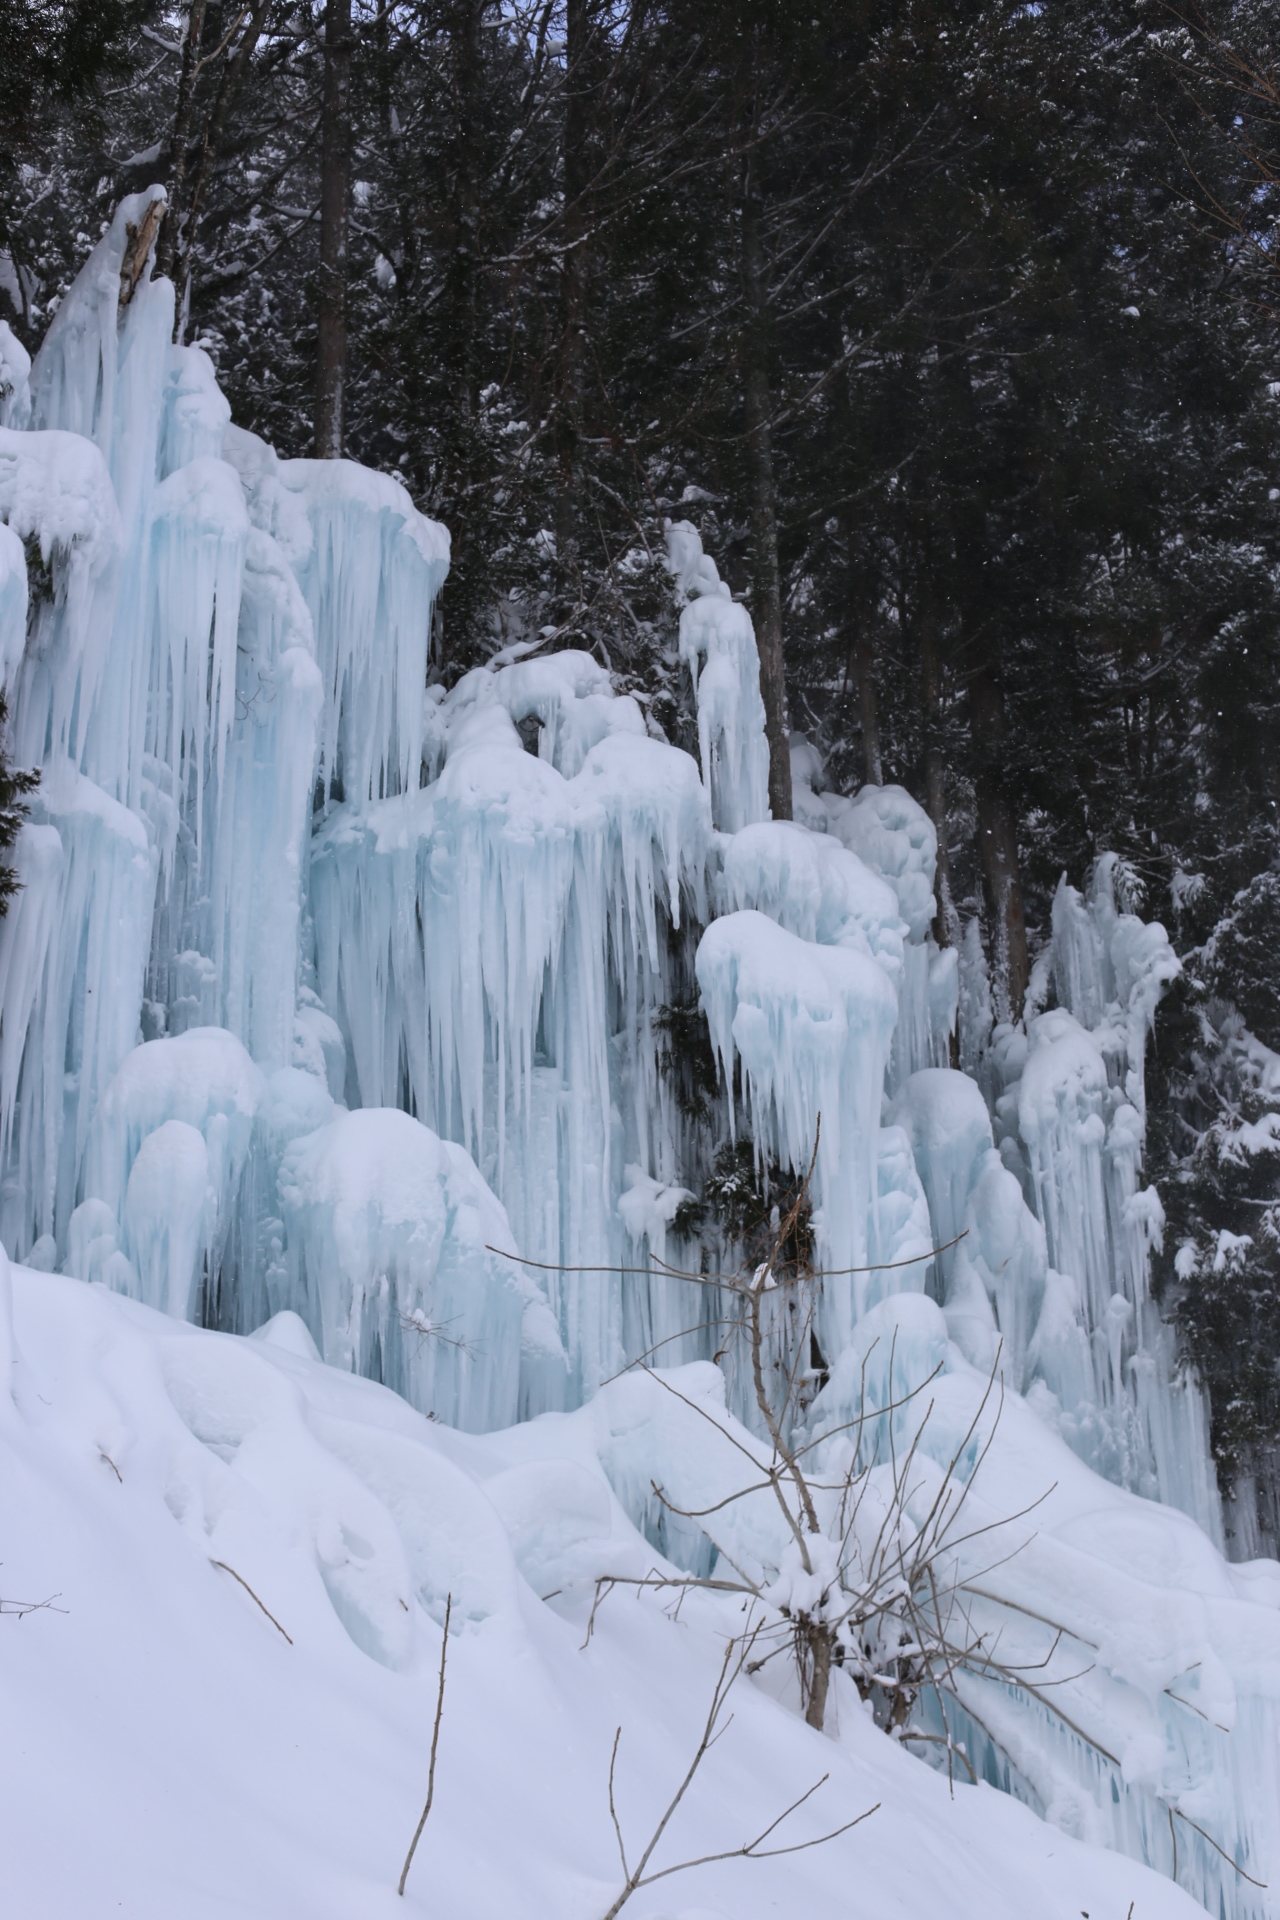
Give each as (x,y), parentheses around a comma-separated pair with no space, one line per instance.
(324,983)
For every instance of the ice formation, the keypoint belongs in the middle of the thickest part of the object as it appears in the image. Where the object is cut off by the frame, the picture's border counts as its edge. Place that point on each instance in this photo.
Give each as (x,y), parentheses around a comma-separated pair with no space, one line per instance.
(334,1013)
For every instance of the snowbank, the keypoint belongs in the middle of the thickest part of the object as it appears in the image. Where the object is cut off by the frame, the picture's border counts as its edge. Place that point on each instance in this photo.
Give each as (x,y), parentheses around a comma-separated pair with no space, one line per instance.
(251,1552)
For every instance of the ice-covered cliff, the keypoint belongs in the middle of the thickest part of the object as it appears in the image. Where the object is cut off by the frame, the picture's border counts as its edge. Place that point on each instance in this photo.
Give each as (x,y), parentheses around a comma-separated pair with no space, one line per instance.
(334,994)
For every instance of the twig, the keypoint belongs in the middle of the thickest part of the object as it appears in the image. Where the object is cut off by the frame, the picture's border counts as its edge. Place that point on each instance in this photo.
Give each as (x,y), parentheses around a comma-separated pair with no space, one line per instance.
(252,1595)
(636,1877)
(938,1739)
(1217,1849)
(729,1280)
(435,1741)
(19,1609)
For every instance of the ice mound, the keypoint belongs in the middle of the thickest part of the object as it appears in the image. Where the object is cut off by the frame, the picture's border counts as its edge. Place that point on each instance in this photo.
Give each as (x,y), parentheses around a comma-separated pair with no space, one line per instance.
(815,889)
(894,835)
(389,1230)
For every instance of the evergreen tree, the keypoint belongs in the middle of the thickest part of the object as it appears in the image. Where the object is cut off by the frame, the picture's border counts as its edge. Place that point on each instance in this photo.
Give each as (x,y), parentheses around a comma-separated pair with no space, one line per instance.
(15,783)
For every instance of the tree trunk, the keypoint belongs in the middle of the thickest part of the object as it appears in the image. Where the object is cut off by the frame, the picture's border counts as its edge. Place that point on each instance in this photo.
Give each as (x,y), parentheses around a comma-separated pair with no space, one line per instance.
(468,88)
(393,144)
(818,1676)
(767,584)
(166,251)
(997,822)
(868,705)
(935,771)
(860,601)
(998,848)
(945,923)
(335,184)
(462,290)
(573,281)
(215,131)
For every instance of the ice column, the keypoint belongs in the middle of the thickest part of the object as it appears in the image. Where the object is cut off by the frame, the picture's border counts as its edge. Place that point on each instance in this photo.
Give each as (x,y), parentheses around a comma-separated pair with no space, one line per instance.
(1071,1111)
(718,645)
(812,1026)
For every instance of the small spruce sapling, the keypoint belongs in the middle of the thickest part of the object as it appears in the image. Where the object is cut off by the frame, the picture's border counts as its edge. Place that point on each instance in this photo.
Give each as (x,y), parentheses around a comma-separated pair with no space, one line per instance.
(15,784)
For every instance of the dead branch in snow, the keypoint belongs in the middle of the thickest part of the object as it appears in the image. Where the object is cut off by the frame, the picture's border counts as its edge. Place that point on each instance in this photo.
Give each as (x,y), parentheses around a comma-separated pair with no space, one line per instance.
(252,1595)
(736,1656)
(19,1609)
(435,1742)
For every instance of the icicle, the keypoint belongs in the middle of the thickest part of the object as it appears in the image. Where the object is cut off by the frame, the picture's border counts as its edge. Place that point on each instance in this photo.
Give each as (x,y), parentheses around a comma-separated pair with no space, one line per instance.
(15,366)
(370,578)
(56,495)
(488,912)
(718,645)
(88,908)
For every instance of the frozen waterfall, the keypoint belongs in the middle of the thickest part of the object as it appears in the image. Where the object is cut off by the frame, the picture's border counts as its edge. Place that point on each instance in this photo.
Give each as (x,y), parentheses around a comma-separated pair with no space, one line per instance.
(333,992)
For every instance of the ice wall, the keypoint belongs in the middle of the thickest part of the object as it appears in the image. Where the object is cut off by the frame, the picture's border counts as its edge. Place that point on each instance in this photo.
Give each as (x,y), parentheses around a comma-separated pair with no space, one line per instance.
(513,920)
(195,634)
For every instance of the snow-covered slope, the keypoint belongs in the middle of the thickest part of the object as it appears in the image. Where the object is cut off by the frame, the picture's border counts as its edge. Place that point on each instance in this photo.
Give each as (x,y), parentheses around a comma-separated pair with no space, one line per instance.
(168,1751)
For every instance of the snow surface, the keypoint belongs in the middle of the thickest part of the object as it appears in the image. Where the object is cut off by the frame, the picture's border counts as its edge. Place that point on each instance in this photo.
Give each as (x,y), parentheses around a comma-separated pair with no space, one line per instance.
(168,1750)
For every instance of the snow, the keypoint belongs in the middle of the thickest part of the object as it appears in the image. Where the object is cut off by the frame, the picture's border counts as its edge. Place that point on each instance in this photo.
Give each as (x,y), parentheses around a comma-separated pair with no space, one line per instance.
(208,1764)
(339,1071)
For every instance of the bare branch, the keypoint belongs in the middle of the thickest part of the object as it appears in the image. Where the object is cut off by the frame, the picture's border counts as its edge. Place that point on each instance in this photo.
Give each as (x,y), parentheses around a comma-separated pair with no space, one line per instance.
(252,1595)
(435,1741)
